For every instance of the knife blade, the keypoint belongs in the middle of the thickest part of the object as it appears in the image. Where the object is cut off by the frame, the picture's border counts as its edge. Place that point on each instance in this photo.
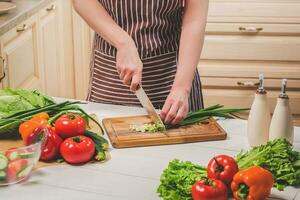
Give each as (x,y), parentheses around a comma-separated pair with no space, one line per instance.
(146,103)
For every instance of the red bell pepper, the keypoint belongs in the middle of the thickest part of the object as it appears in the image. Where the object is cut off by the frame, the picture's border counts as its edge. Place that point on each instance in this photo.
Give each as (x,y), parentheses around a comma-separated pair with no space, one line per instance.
(77,150)
(223,168)
(210,189)
(50,147)
(70,125)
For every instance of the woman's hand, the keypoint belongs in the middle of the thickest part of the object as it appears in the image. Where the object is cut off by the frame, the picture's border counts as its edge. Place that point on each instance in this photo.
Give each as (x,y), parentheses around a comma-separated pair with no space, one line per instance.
(176,106)
(129,65)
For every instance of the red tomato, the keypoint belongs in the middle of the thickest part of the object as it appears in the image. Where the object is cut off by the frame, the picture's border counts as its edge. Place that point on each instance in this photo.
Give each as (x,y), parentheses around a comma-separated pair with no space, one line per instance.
(77,150)
(14,168)
(223,168)
(70,125)
(210,189)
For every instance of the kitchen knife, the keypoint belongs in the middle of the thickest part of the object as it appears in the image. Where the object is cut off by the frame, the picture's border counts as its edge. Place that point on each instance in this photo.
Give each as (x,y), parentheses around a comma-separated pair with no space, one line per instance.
(146,103)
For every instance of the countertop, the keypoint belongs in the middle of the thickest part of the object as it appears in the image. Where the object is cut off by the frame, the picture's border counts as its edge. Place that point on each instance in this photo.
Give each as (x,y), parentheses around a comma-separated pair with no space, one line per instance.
(24,9)
(131,174)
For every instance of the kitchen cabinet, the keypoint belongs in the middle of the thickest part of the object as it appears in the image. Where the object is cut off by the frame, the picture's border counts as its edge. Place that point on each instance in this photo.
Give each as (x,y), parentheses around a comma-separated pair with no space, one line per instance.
(38,53)
(19,49)
(83,41)
(50,51)
(244,40)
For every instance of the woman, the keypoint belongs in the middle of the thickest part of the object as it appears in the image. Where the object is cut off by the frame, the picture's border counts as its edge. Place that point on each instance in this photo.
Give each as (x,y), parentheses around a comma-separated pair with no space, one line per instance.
(155,43)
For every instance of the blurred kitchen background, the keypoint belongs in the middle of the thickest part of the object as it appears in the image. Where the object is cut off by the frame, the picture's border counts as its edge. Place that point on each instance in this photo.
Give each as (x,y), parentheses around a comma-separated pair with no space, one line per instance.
(45,45)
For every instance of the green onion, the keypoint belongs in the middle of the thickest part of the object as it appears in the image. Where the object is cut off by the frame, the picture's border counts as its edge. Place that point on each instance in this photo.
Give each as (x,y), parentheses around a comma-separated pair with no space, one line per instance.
(101,145)
(193,118)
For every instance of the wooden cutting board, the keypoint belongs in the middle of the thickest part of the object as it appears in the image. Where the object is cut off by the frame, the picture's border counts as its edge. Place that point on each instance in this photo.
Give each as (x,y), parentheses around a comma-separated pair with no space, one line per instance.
(120,135)
(7,143)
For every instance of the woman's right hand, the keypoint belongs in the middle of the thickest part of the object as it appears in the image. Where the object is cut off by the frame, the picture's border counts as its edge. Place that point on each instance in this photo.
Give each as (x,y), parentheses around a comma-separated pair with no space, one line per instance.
(129,65)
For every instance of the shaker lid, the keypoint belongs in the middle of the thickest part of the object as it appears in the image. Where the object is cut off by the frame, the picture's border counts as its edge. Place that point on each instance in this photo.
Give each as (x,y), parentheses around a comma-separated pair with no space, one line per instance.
(261,89)
(283,89)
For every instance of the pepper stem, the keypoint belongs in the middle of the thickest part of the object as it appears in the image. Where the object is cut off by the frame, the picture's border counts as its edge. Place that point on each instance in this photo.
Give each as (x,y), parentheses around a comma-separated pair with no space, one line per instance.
(77,139)
(220,167)
(243,191)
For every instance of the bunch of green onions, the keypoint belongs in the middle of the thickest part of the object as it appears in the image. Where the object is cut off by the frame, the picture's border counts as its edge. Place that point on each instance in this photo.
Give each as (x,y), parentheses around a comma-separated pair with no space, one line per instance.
(192,118)
(212,111)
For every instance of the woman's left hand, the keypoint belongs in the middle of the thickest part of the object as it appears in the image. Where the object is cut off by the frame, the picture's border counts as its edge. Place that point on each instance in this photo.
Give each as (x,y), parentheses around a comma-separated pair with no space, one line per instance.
(176,106)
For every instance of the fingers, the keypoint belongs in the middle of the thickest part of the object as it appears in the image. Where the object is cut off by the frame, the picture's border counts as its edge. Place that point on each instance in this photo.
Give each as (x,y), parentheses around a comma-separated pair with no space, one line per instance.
(130,76)
(127,79)
(172,113)
(136,80)
(121,74)
(165,110)
(181,114)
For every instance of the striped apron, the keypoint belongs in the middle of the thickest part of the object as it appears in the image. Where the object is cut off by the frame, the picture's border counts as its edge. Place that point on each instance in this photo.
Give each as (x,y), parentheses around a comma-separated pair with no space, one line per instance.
(155,27)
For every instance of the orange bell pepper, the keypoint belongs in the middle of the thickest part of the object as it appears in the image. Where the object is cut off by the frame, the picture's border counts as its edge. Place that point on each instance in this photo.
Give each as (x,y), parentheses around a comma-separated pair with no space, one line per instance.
(254,183)
(40,116)
(27,127)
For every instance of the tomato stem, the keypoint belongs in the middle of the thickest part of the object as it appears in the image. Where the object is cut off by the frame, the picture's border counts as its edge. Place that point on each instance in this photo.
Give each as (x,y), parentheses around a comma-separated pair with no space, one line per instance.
(220,167)
(209,182)
(77,139)
(71,117)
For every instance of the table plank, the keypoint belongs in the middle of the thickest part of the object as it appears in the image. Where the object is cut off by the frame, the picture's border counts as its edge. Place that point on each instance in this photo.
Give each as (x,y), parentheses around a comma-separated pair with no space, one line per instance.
(45,192)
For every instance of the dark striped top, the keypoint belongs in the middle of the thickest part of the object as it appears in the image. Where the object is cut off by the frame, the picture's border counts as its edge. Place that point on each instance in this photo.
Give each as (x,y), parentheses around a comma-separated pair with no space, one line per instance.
(155,27)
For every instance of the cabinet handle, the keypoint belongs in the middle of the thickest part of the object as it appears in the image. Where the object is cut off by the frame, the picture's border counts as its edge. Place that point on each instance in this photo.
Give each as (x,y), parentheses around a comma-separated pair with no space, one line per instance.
(22,28)
(247,83)
(250,29)
(51,8)
(3,69)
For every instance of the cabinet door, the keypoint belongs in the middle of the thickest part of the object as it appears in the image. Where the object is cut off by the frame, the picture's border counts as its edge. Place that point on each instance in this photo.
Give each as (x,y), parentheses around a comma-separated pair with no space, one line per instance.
(19,49)
(83,39)
(49,48)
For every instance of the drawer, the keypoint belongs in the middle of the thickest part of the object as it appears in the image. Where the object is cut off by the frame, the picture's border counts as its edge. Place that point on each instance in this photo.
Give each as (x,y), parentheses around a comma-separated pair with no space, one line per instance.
(247,83)
(251,47)
(50,8)
(253,29)
(254,11)
(244,98)
(249,69)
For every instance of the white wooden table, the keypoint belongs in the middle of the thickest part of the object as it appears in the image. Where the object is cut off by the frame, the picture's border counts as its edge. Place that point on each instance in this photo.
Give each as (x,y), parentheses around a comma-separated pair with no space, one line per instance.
(131,174)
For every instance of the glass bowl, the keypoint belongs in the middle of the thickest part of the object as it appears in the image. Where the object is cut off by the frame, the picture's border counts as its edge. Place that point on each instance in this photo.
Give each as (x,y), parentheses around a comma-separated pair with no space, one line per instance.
(17,163)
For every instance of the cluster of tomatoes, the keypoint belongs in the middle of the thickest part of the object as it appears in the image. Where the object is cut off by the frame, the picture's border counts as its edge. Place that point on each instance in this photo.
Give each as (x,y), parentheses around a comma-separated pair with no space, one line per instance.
(224,177)
(220,172)
(65,137)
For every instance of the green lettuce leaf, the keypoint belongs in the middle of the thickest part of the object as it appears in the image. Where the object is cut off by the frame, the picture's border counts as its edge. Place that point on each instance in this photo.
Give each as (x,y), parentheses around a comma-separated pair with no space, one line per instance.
(177,180)
(15,100)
